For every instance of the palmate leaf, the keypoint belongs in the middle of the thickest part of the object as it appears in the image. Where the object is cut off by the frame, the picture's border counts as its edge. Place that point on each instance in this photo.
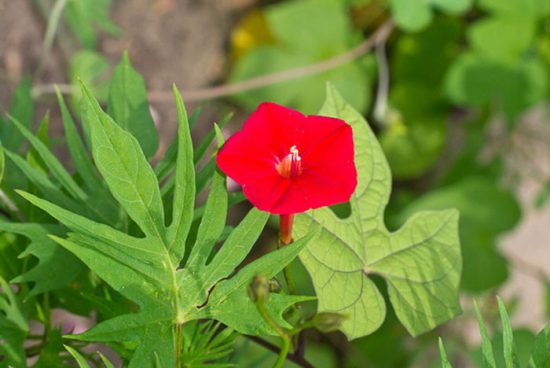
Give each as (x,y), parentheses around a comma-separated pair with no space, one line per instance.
(420,263)
(146,269)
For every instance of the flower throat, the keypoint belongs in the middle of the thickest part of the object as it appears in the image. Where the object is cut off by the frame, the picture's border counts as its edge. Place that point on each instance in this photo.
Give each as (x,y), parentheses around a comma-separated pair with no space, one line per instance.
(291,165)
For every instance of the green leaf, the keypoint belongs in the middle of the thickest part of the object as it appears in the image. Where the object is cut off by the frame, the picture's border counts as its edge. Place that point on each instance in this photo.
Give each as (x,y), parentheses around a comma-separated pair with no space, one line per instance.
(327,33)
(538,8)
(79,155)
(50,257)
(486,346)
(119,158)
(129,107)
(540,358)
(146,270)
(82,363)
(50,354)
(105,361)
(51,162)
(84,17)
(13,327)
(42,182)
(480,226)
(411,15)
(230,303)
(212,223)
(204,347)
(510,353)
(502,38)
(92,68)
(2,162)
(203,146)
(443,355)
(476,81)
(21,108)
(453,6)
(421,262)
(184,191)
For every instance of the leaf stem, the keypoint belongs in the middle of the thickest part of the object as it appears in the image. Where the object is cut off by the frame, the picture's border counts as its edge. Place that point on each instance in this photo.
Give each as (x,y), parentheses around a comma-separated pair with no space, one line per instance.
(179,343)
(285,348)
(283,353)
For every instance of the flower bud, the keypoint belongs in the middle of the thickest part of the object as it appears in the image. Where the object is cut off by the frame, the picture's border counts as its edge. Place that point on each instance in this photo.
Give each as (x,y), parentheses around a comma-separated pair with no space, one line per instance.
(258,290)
(328,322)
(274,286)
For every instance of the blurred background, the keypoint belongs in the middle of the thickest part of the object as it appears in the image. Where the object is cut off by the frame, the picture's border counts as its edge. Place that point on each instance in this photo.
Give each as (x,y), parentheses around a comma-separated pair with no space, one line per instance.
(457,92)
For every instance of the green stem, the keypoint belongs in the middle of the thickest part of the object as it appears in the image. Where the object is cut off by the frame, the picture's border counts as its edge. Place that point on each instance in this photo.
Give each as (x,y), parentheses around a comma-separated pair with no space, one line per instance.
(179,341)
(288,279)
(283,353)
(285,348)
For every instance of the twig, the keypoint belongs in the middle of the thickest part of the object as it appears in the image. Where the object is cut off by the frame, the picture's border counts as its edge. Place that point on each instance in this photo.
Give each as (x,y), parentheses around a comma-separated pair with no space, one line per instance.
(51,30)
(379,36)
(301,361)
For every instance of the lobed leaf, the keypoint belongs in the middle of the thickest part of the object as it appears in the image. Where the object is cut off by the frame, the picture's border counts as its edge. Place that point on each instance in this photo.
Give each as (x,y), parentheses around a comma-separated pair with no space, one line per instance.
(420,263)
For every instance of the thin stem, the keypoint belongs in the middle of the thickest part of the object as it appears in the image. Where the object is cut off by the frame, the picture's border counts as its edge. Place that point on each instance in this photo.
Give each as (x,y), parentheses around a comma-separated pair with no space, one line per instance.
(285,348)
(283,353)
(179,343)
(224,90)
(51,30)
(299,360)
(381,103)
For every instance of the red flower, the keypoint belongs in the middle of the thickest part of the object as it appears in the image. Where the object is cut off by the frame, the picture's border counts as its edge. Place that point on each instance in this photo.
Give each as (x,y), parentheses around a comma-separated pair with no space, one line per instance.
(288,163)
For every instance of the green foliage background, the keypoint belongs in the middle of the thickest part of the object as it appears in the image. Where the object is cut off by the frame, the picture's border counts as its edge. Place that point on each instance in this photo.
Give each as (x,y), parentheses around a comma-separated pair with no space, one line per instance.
(454,68)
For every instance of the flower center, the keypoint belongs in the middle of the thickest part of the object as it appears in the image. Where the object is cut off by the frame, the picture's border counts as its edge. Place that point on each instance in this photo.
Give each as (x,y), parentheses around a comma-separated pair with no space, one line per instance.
(291,165)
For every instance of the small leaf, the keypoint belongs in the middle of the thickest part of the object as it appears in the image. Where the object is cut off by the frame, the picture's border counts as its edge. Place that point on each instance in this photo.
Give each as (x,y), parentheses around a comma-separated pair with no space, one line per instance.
(421,262)
(486,345)
(50,257)
(129,107)
(540,358)
(203,146)
(82,363)
(510,351)
(13,327)
(230,303)
(411,15)
(212,223)
(443,355)
(50,353)
(105,361)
